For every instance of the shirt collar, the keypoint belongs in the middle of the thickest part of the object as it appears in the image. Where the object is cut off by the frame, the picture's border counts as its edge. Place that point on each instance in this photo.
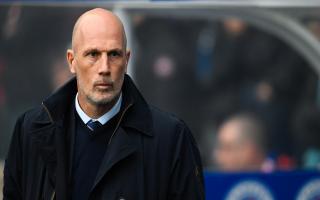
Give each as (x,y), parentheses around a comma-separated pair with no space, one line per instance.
(104,118)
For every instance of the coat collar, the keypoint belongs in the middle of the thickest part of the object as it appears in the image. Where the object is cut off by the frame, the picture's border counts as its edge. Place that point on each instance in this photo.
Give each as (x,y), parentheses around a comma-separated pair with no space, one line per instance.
(137,116)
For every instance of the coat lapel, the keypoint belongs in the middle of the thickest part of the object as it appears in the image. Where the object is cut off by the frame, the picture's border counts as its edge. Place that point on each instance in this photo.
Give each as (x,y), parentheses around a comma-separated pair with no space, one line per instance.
(62,170)
(44,139)
(121,146)
(51,142)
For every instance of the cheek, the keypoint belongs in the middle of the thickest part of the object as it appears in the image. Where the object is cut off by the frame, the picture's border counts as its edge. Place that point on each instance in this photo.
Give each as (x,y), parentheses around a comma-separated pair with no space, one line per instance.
(84,69)
(118,73)
(81,81)
(84,78)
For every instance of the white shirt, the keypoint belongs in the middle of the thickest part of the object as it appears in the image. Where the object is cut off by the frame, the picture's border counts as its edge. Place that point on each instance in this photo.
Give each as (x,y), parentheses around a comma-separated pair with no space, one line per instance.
(104,118)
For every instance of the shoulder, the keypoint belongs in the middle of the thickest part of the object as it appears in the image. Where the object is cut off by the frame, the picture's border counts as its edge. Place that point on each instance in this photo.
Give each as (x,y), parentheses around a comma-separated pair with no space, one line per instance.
(26,120)
(168,125)
(165,119)
(175,137)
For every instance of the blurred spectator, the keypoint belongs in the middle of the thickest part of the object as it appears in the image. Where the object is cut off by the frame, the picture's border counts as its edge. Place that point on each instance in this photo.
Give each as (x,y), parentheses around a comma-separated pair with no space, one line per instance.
(207,70)
(256,71)
(241,145)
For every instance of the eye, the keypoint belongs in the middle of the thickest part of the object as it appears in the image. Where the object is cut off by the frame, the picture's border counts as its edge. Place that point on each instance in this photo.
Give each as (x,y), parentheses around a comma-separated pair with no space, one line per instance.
(114,54)
(93,54)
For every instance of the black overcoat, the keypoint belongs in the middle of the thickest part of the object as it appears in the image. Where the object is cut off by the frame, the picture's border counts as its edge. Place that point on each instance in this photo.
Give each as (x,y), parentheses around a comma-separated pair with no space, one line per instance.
(151,155)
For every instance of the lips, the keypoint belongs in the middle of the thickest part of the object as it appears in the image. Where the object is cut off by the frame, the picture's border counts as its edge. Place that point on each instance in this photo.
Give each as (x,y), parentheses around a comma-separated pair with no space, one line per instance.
(103,85)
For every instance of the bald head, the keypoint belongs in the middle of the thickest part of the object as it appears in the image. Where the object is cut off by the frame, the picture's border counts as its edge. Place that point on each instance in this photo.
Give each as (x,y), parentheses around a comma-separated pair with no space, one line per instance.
(246,127)
(240,144)
(96,19)
(99,60)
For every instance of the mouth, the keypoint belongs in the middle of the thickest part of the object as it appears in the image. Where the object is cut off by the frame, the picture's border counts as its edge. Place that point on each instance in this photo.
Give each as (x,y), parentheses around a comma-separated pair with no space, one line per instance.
(103,85)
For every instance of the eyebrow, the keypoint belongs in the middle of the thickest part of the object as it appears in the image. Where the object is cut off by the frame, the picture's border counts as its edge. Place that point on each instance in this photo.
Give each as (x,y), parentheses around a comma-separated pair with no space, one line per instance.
(90,50)
(97,50)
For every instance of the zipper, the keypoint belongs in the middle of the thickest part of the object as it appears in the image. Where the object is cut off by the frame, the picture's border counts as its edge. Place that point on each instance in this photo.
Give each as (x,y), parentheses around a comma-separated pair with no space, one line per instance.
(118,124)
(47,110)
(51,119)
(53,195)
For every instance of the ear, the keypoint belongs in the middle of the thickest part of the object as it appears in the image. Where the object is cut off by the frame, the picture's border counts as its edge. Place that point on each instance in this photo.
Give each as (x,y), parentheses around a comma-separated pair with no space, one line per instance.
(128,54)
(70,59)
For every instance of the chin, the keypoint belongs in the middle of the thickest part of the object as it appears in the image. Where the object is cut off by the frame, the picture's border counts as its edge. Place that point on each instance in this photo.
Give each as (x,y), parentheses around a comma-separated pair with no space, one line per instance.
(102,101)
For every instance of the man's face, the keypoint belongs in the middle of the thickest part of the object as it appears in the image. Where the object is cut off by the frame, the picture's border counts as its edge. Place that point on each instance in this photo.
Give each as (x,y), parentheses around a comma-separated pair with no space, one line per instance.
(232,152)
(99,60)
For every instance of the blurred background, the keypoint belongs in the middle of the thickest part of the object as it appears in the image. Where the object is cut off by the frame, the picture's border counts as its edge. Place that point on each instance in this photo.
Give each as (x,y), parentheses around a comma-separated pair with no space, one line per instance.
(244,75)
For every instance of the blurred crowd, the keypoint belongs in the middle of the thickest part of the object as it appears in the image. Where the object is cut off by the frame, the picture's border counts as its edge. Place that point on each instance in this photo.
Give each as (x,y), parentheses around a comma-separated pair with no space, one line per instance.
(209,71)
(33,42)
(249,98)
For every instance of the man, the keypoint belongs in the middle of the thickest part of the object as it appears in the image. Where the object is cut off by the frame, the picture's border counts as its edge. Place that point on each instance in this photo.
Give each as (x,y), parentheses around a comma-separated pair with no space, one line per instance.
(96,137)
(241,144)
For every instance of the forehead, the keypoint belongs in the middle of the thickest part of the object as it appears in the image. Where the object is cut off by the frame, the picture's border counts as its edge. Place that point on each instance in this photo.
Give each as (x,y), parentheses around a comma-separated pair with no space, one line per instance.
(97,31)
(231,131)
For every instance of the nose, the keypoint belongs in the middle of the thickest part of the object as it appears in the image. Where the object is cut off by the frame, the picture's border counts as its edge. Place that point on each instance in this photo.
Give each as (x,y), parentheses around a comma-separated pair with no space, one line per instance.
(104,66)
